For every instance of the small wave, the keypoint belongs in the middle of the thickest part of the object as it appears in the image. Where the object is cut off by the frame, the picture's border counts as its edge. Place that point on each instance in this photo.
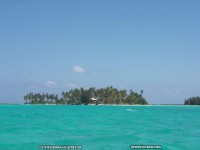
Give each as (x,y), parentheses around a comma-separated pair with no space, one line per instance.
(131,110)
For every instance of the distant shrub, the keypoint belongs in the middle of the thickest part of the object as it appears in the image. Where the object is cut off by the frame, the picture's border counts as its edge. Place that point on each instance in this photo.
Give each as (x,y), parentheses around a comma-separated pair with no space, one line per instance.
(193,101)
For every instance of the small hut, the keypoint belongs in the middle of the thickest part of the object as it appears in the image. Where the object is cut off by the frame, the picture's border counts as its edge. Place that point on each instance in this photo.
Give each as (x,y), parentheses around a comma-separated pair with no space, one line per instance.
(93,101)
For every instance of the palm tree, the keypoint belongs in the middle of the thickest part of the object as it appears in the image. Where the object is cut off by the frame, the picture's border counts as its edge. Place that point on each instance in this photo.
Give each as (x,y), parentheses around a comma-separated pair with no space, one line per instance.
(30,97)
(141,92)
(47,97)
(25,98)
(51,97)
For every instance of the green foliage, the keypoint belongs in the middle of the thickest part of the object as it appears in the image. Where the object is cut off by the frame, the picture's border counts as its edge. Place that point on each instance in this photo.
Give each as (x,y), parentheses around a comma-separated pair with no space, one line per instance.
(37,98)
(135,98)
(108,95)
(193,101)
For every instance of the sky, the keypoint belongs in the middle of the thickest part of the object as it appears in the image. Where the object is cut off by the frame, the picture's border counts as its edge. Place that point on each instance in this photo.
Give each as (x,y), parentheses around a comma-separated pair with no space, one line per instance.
(54,46)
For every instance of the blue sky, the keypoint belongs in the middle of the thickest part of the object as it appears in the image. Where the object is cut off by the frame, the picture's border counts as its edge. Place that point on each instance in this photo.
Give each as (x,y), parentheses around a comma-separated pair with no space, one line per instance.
(53,46)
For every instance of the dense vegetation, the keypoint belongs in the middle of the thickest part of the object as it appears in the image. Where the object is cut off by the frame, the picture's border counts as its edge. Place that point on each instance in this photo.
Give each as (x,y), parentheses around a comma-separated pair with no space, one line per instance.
(193,101)
(108,95)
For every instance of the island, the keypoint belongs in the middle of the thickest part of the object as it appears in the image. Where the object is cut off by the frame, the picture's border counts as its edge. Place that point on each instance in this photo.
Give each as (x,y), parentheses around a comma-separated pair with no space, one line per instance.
(192,101)
(78,96)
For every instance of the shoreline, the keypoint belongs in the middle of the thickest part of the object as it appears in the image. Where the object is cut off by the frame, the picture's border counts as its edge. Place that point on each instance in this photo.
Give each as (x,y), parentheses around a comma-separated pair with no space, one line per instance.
(121,105)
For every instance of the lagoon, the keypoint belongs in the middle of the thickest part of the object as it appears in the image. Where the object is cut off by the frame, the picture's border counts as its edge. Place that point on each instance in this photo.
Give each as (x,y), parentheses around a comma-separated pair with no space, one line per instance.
(25,127)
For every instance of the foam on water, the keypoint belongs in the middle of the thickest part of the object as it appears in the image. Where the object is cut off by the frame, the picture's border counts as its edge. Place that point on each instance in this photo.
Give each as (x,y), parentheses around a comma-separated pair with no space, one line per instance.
(131,110)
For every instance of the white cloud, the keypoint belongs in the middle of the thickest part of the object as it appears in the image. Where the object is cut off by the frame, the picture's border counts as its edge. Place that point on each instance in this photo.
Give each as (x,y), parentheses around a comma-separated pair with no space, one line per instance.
(50,84)
(78,69)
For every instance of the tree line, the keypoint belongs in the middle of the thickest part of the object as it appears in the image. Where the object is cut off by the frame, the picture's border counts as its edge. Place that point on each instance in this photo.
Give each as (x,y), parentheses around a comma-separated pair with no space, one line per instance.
(192,101)
(108,95)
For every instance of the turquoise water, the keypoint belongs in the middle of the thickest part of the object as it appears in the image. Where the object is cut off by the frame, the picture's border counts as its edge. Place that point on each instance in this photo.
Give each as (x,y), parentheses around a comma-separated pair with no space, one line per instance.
(25,127)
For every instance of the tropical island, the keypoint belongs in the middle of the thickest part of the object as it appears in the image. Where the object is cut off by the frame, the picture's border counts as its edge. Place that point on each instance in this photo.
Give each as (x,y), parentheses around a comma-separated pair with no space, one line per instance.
(108,95)
(192,101)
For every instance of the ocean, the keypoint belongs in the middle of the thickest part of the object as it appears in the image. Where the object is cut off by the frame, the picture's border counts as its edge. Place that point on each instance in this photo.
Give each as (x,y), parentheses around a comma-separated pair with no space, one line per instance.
(34,127)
